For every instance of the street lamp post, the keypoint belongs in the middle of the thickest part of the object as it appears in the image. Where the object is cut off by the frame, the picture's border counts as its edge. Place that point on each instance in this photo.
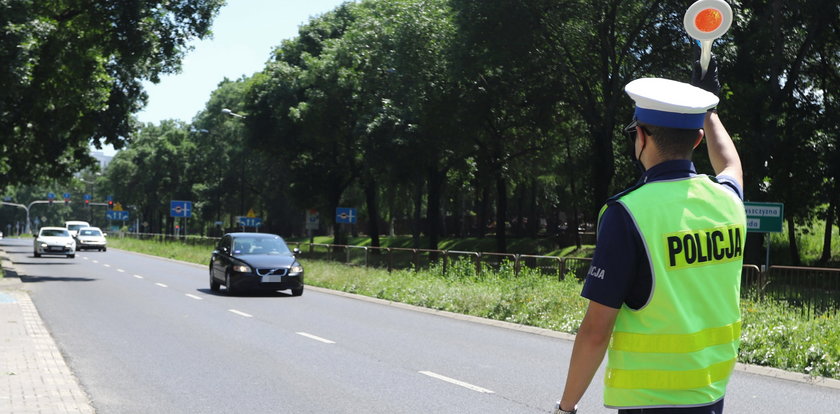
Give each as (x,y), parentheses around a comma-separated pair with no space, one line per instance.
(228,112)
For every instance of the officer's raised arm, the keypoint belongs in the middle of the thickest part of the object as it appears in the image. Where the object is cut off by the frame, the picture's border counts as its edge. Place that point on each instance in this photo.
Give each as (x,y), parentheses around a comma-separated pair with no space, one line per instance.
(722,152)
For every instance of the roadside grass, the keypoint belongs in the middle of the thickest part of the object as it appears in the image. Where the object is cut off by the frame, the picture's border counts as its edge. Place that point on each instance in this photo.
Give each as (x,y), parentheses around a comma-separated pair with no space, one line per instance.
(522,245)
(168,249)
(773,334)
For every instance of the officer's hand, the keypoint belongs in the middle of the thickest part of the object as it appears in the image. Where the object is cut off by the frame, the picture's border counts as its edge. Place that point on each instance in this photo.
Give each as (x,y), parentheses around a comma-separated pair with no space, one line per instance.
(709,82)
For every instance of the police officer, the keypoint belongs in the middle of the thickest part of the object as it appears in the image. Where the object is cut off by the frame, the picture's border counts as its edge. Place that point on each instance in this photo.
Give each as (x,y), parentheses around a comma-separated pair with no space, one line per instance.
(664,284)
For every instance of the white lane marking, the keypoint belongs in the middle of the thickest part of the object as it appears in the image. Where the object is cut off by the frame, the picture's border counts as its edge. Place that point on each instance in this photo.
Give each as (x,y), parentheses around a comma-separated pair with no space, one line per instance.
(138,276)
(193,296)
(106,265)
(96,261)
(456,382)
(240,313)
(121,271)
(85,257)
(317,338)
(161,285)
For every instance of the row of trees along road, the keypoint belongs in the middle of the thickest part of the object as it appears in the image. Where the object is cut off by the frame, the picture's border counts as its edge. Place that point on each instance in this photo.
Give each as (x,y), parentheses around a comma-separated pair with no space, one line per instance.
(464,117)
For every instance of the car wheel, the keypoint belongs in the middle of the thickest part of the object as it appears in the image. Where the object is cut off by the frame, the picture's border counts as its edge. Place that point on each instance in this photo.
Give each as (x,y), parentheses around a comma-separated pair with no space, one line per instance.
(71,256)
(36,253)
(104,249)
(229,286)
(214,285)
(298,291)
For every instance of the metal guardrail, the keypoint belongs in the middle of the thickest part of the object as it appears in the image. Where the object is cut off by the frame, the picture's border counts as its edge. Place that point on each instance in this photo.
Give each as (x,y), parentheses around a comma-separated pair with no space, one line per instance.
(815,290)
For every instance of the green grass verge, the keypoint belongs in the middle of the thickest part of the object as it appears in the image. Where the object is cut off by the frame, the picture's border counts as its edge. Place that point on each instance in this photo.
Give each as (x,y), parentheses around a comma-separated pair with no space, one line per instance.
(773,334)
(544,246)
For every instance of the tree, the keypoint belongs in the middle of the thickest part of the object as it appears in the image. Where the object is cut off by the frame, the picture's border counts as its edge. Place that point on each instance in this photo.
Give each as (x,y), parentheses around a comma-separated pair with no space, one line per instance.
(72,70)
(773,78)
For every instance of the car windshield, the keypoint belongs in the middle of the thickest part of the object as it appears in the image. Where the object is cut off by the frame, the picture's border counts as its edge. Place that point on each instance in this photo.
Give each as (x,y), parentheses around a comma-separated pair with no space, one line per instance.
(55,233)
(75,226)
(89,233)
(259,245)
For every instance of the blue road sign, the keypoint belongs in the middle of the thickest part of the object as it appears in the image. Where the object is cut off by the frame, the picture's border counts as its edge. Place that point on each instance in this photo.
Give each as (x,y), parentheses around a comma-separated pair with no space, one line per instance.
(180,208)
(87,197)
(50,196)
(66,196)
(250,221)
(345,215)
(116,215)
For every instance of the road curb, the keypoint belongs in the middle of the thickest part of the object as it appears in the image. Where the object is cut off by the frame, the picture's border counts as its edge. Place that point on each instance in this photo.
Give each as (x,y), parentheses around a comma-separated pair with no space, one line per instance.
(747,368)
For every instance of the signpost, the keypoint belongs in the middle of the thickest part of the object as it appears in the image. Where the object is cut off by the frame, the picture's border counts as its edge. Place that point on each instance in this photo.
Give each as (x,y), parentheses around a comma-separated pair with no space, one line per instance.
(312,223)
(183,209)
(116,215)
(250,220)
(765,218)
(345,215)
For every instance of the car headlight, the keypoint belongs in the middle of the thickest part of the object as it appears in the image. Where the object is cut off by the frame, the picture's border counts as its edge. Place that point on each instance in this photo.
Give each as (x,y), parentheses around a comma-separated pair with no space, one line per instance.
(241,268)
(296,268)
(44,245)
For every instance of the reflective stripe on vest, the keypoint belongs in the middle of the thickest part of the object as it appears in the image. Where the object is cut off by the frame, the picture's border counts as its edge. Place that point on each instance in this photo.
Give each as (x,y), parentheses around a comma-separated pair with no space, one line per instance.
(680,348)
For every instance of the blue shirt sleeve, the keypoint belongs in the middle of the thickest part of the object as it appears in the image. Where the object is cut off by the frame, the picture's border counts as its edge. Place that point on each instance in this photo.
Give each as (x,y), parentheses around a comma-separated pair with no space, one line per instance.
(730,183)
(616,261)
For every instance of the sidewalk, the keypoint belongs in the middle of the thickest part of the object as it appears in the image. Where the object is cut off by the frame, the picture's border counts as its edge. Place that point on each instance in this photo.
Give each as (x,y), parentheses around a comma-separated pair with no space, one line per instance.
(34,377)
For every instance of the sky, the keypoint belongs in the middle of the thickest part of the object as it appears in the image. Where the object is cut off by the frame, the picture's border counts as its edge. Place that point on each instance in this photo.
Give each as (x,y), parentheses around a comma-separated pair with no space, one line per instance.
(244,34)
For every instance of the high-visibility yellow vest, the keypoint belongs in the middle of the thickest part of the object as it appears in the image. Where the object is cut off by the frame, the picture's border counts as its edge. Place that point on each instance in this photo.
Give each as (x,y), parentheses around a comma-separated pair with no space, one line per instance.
(679,349)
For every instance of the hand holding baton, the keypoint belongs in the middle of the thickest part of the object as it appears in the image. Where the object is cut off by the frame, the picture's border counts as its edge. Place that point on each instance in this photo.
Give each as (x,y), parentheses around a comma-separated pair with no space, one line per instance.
(705,21)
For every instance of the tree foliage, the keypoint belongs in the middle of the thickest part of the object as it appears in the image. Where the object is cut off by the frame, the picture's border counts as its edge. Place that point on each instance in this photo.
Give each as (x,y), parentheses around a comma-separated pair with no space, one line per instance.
(71,72)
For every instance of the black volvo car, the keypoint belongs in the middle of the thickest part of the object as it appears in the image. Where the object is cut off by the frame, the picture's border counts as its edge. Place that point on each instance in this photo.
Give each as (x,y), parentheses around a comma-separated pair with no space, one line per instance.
(245,261)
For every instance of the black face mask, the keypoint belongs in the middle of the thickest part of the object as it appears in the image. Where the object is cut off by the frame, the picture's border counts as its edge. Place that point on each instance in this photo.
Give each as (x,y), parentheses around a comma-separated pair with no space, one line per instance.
(630,130)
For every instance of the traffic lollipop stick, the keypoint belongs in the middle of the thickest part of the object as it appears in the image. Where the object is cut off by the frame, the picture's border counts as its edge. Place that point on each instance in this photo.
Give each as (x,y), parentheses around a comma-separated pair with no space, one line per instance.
(705,21)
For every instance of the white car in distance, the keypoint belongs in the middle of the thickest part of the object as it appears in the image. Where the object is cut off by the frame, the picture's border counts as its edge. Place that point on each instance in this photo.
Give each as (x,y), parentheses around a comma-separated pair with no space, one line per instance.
(91,238)
(73,226)
(54,240)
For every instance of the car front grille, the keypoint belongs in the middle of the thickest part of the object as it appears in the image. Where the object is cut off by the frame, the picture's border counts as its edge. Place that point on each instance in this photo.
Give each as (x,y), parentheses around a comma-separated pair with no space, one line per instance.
(272,272)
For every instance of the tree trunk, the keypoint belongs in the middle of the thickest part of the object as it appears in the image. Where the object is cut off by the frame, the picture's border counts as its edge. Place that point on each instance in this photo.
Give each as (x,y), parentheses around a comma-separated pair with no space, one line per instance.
(534,213)
(501,213)
(339,237)
(830,215)
(572,178)
(418,205)
(373,211)
(482,212)
(603,166)
(794,249)
(433,206)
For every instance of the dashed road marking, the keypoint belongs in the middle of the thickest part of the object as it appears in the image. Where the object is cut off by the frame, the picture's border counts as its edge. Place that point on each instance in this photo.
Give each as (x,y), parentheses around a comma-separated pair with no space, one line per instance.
(106,265)
(121,271)
(456,382)
(138,276)
(191,296)
(161,285)
(240,313)
(317,338)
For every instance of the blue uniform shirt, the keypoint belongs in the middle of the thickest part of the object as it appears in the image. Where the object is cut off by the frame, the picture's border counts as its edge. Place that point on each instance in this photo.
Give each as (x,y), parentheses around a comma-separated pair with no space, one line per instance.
(620,272)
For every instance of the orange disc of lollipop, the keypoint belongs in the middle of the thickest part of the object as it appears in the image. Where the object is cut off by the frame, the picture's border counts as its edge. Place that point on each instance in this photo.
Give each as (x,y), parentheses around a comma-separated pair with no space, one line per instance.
(708,20)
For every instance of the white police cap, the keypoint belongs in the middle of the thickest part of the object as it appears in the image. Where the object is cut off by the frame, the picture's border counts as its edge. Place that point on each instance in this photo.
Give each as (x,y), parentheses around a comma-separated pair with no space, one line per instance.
(668,103)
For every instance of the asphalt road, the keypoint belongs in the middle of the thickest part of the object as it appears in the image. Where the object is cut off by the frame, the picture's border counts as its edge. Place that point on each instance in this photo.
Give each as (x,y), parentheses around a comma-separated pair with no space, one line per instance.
(147,335)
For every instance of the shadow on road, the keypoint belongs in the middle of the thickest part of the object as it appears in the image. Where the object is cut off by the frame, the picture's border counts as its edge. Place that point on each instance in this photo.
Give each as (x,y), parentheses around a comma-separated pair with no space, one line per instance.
(253,293)
(39,279)
(39,262)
